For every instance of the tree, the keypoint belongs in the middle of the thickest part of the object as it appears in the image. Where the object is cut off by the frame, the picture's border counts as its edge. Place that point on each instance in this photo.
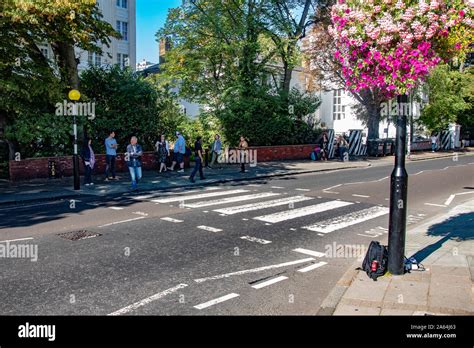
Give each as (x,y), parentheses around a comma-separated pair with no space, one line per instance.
(450,97)
(327,71)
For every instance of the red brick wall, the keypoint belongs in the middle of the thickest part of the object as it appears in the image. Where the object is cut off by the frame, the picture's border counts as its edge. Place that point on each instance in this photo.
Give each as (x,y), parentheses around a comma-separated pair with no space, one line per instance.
(33,168)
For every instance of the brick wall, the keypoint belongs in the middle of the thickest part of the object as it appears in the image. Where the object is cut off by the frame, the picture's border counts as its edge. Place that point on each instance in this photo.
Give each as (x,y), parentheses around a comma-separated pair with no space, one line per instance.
(33,168)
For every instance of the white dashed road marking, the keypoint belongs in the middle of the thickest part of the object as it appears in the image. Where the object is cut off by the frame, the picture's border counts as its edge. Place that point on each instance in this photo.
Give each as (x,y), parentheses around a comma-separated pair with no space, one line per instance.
(309,252)
(116,208)
(363,196)
(210,229)
(254,239)
(171,219)
(15,240)
(311,267)
(216,301)
(436,205)
(148,300)
(123,221)
(254,270)
(269,282)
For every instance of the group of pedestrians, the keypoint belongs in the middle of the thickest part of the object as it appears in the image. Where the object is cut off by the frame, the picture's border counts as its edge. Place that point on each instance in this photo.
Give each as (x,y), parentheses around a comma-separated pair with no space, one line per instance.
(134,153)
(321,150)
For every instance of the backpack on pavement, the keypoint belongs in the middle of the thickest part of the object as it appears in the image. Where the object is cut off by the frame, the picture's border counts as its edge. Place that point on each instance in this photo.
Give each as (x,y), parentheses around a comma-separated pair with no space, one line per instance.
(375,261)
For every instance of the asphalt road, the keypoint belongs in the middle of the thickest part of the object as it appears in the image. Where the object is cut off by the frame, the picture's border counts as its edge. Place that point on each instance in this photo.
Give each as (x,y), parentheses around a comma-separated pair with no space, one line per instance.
(263,247)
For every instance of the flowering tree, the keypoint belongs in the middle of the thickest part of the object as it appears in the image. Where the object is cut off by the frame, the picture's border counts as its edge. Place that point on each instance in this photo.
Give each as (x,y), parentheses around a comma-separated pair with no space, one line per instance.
(392,45)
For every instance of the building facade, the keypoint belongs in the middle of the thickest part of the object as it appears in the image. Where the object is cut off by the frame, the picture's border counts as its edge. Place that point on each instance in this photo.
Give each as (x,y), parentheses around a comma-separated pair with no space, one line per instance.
(121,14)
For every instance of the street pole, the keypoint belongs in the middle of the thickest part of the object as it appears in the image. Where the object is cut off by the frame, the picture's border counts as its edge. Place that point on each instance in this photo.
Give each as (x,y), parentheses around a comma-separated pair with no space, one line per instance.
(75,161)
(74,95)
(398,196)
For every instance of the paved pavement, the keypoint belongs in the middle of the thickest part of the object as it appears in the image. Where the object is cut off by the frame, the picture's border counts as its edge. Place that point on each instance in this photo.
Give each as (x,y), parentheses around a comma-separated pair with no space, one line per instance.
(256,247)
(44,190)
(445,247)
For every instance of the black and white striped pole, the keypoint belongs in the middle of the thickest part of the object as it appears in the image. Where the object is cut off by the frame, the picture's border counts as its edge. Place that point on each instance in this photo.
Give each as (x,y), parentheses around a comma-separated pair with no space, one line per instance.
(398,196)
(74,95)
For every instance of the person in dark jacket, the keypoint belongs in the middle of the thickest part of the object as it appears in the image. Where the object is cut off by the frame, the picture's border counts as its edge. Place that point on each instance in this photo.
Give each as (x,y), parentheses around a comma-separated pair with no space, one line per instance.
(133,157)
(324,146)
(197,160)
(88,158)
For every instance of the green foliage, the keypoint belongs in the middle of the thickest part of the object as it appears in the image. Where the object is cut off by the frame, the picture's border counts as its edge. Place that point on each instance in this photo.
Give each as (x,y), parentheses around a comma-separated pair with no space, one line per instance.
(130,105)
(450,95)
(264,118)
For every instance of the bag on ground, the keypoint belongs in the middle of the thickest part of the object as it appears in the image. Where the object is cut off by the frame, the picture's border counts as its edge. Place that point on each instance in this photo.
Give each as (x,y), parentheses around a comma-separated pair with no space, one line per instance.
(375,261)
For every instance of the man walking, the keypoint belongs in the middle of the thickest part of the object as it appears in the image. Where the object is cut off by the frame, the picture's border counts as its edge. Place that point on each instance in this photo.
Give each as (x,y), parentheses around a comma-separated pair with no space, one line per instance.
(197,160)
(134,162)
(110,156)
(178,152)
(243,151)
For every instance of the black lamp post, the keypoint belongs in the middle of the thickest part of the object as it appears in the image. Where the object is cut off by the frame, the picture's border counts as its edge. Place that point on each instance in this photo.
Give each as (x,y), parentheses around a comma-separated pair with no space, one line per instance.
(398,196)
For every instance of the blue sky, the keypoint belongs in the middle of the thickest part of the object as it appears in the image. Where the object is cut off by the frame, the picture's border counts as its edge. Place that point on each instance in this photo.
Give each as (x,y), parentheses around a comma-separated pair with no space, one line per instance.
(151,15)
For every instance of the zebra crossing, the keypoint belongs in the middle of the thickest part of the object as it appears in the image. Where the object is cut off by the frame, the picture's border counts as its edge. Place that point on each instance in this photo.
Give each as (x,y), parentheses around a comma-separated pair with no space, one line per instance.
(230,202)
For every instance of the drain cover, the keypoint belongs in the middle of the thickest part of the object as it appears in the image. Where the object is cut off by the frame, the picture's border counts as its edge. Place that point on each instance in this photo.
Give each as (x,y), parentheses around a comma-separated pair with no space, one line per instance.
(78,235)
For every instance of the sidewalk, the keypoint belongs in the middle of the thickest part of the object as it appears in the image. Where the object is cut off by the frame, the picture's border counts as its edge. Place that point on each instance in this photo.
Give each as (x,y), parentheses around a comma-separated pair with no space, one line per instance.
(53,189)
(445,246)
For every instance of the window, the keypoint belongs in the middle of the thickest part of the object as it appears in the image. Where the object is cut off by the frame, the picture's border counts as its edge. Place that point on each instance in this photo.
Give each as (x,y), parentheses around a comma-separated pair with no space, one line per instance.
(45,52)
(122,3)
(338,110)
(94,59)
(123,60)
(122,28)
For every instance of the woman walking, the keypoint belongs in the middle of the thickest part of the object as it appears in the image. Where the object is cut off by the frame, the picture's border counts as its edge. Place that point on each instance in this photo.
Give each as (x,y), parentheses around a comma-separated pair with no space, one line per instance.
(216,150)
(162,152)
(88,158)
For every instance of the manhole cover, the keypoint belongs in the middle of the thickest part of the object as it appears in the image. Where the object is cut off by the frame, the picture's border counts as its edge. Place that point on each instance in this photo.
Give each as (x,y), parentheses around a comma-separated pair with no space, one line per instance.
(78,235)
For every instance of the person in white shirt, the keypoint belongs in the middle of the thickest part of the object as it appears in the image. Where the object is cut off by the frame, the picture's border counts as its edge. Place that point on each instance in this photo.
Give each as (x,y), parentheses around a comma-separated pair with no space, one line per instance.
(434,142)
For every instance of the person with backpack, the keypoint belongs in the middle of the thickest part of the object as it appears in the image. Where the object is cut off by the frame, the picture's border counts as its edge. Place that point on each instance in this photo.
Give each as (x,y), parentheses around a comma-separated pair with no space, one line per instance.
(178,152)
(88,159)
(162,152)
(133,157)
(197,160)
(316,153)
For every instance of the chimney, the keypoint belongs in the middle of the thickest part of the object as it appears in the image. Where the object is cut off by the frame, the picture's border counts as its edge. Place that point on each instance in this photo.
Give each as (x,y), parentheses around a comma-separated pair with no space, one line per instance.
(165,46)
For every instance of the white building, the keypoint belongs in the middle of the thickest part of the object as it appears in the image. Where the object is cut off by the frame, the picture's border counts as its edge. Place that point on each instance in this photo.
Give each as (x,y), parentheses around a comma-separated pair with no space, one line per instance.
(121,14)
(144,64)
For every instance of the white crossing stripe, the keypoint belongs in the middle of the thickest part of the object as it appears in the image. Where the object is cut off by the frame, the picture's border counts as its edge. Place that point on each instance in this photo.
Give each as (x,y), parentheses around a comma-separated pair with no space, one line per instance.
(311,267)
(116,208)
(216,301)
(277,187)
(197,196)
(230,200)
(148,300)
(171,219)
(262,205)
(269,282)
(254,239)
(210,229)
(300,189)
(353,218)
(254,270)
(296,213)
(309,252)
